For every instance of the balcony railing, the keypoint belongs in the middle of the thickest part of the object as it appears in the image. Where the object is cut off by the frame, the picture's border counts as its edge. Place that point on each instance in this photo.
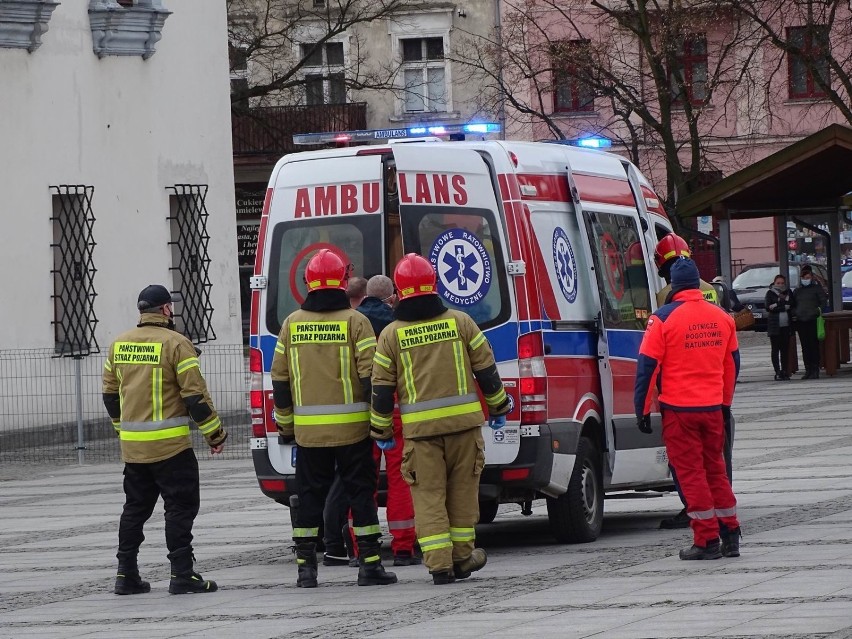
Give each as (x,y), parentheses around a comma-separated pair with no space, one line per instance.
(269,130)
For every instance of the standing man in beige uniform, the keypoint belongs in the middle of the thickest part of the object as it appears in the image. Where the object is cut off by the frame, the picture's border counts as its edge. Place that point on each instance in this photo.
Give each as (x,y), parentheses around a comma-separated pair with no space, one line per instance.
(152,387)
(431,357)
(321,385)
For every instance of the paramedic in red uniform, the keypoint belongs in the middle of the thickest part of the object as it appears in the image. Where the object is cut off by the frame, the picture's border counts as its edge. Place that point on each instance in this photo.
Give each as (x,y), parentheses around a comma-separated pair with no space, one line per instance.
(690,350)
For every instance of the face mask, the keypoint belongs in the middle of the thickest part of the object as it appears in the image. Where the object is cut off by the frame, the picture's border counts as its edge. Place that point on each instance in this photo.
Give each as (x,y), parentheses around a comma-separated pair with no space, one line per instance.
(806,282)
(778,288)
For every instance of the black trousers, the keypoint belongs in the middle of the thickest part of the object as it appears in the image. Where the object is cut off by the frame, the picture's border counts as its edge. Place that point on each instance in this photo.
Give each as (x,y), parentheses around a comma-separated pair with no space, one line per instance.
(807,331)
(780,349)
(176,479)
(334,516)
(315,472)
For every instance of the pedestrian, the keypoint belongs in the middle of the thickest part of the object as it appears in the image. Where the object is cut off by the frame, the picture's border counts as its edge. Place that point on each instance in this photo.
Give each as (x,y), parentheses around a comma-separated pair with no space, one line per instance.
(779,304)
(378,308)
(690,344)
(321,387)
(152,387)
(809,298)
(429,358)
(356,291)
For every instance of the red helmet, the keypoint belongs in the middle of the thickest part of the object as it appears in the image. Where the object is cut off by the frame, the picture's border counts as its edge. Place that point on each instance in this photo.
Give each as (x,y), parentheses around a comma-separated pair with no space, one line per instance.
(325,270)
(414,276)
(635,256)
(670,247)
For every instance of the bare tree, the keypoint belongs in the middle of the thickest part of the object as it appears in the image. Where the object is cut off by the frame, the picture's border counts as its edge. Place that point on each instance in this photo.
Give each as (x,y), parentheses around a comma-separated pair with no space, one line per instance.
(632,60)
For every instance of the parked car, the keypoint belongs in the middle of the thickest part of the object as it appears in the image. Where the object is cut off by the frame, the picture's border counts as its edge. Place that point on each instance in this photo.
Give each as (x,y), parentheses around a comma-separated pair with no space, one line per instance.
(751,286)
(846,285)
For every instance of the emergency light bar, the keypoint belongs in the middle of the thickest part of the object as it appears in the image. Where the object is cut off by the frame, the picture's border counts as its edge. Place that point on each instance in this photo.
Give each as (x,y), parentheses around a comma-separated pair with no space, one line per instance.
(373,135)
(591,142)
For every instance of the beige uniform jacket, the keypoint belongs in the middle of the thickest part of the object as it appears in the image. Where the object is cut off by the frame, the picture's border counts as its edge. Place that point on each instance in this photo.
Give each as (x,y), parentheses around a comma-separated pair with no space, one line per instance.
(323,356)
(155,373)
(706,289)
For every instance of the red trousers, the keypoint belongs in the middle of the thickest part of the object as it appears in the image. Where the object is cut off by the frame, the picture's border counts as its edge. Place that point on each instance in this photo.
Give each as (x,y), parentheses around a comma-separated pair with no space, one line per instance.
(694,443)
(400,508)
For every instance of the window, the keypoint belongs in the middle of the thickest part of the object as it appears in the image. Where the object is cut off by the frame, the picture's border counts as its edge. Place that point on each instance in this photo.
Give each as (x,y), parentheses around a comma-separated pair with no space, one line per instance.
(424,75)
(688,77)
(191,262)
(73,271)
(811,64)
(325,81)
(238,62)
(570,93)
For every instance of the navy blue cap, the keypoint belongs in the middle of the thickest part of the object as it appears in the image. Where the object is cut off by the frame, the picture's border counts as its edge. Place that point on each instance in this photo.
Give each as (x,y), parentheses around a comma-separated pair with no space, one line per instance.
(684,274)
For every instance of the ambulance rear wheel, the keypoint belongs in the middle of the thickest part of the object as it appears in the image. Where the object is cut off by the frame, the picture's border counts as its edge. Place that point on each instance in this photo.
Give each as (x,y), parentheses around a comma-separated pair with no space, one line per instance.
(487,511)
(577,516)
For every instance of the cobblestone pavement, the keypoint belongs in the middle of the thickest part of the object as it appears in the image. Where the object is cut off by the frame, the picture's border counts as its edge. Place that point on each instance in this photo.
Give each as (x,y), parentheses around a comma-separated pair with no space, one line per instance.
(793,446)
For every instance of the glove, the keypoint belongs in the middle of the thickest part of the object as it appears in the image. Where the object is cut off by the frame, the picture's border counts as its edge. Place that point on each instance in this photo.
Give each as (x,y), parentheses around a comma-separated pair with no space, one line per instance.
(726,413)
(496,423)
(643,423)
(386,444)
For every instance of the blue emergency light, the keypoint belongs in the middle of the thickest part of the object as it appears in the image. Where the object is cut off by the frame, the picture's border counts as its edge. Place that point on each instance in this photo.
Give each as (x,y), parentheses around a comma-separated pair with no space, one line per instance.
(381,135)
(594,142)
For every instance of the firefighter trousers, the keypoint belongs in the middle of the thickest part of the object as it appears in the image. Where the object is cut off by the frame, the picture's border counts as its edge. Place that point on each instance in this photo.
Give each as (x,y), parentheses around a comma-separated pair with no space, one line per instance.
(400,507)
(315,472)
(443,473)
(694,442)
(176,479)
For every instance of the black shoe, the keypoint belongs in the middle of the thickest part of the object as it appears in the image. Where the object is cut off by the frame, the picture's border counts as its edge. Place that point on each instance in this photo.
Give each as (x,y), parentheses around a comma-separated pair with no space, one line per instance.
(778,377)
(306,562)
(711,551)
(442,578)
(335,557)
(130,583)
(370,571)
(731,543)
(815,375)
(807,375)
(786,377)
(190,583)
(681,520)
(405,558)
(476,561)
(353,562)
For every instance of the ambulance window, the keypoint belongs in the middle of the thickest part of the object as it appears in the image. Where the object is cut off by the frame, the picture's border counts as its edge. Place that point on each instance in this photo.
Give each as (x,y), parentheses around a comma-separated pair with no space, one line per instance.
(619,262)
(464,246)
(357,239)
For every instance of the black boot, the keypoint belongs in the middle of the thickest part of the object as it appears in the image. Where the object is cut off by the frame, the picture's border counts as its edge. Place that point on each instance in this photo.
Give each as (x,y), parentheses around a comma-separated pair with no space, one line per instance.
(443,577)
(306,560)
(710,551)
(127,579)
(350,546)
(184,579)
(370,571)
(681,520)
(475,562)
(731,543)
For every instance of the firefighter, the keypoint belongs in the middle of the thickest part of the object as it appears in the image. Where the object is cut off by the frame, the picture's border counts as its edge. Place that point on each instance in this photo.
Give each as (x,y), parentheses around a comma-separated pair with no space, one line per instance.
(667,251)
(690,344)
(429,357)
(321,386)
(152,387)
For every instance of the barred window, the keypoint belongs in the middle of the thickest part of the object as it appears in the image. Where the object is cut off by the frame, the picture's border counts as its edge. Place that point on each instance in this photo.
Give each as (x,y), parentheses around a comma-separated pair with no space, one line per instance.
(191,261)
(74,318)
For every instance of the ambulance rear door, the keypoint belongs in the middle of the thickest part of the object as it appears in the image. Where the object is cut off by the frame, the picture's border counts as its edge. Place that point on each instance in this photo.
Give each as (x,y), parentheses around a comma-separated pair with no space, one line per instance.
(449,213)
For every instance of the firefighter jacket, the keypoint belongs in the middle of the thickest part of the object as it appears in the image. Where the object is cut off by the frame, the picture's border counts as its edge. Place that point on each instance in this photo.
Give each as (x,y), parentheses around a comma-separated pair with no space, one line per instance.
(690,349)
(152,387)
(431,365)
(706,288)
(321,376)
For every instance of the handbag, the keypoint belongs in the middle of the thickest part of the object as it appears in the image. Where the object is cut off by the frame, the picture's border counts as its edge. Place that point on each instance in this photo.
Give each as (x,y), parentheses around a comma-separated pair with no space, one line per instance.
(743,319)
(820,320)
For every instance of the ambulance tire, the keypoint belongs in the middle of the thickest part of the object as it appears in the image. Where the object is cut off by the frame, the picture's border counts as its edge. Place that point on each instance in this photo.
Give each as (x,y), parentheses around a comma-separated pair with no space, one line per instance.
(487,511)
(576,517)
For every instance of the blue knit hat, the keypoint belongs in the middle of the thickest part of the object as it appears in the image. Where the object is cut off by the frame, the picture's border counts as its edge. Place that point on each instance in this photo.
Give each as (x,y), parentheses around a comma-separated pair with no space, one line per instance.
(684,274)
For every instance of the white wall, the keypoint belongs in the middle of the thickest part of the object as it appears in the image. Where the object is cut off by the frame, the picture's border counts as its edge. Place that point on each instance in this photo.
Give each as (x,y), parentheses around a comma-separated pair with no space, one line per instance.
(129,127)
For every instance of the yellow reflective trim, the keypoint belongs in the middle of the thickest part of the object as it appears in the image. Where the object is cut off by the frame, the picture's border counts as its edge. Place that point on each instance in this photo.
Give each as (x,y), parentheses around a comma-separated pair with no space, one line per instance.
(477,341)
(437,413)
(157,394)
(336,332)
(186,364)
(462,534)
(382,360)
(365,343)
(210,425)
(154,435)
(283,420)
(345,375)
(435,542)
(709,295)
(296,374)
(146,353)
(117,426)
(408,376)
(305,532)
(497,398)
(380,420)
(280,348)
(461,370)
(372,529)
(427,333)
(107,366)
(334,418)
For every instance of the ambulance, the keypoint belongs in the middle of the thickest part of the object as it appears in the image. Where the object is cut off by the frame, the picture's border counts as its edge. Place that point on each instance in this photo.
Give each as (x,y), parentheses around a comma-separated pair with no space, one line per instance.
(548,247)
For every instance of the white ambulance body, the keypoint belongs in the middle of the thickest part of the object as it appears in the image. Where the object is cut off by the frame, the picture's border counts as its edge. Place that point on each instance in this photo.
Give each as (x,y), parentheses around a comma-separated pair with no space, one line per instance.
(548,247)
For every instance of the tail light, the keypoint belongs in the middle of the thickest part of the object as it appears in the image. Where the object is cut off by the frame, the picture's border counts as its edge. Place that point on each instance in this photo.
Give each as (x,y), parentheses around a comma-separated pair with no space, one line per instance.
(258,414)
(533,379)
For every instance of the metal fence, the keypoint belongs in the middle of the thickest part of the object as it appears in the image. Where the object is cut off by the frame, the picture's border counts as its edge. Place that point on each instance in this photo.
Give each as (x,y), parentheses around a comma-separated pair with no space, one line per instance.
(51,408)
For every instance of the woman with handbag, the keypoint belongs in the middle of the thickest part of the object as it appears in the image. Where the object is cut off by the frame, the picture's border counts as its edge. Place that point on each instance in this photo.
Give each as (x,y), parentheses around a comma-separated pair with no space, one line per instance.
(779,304)
(809,299)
